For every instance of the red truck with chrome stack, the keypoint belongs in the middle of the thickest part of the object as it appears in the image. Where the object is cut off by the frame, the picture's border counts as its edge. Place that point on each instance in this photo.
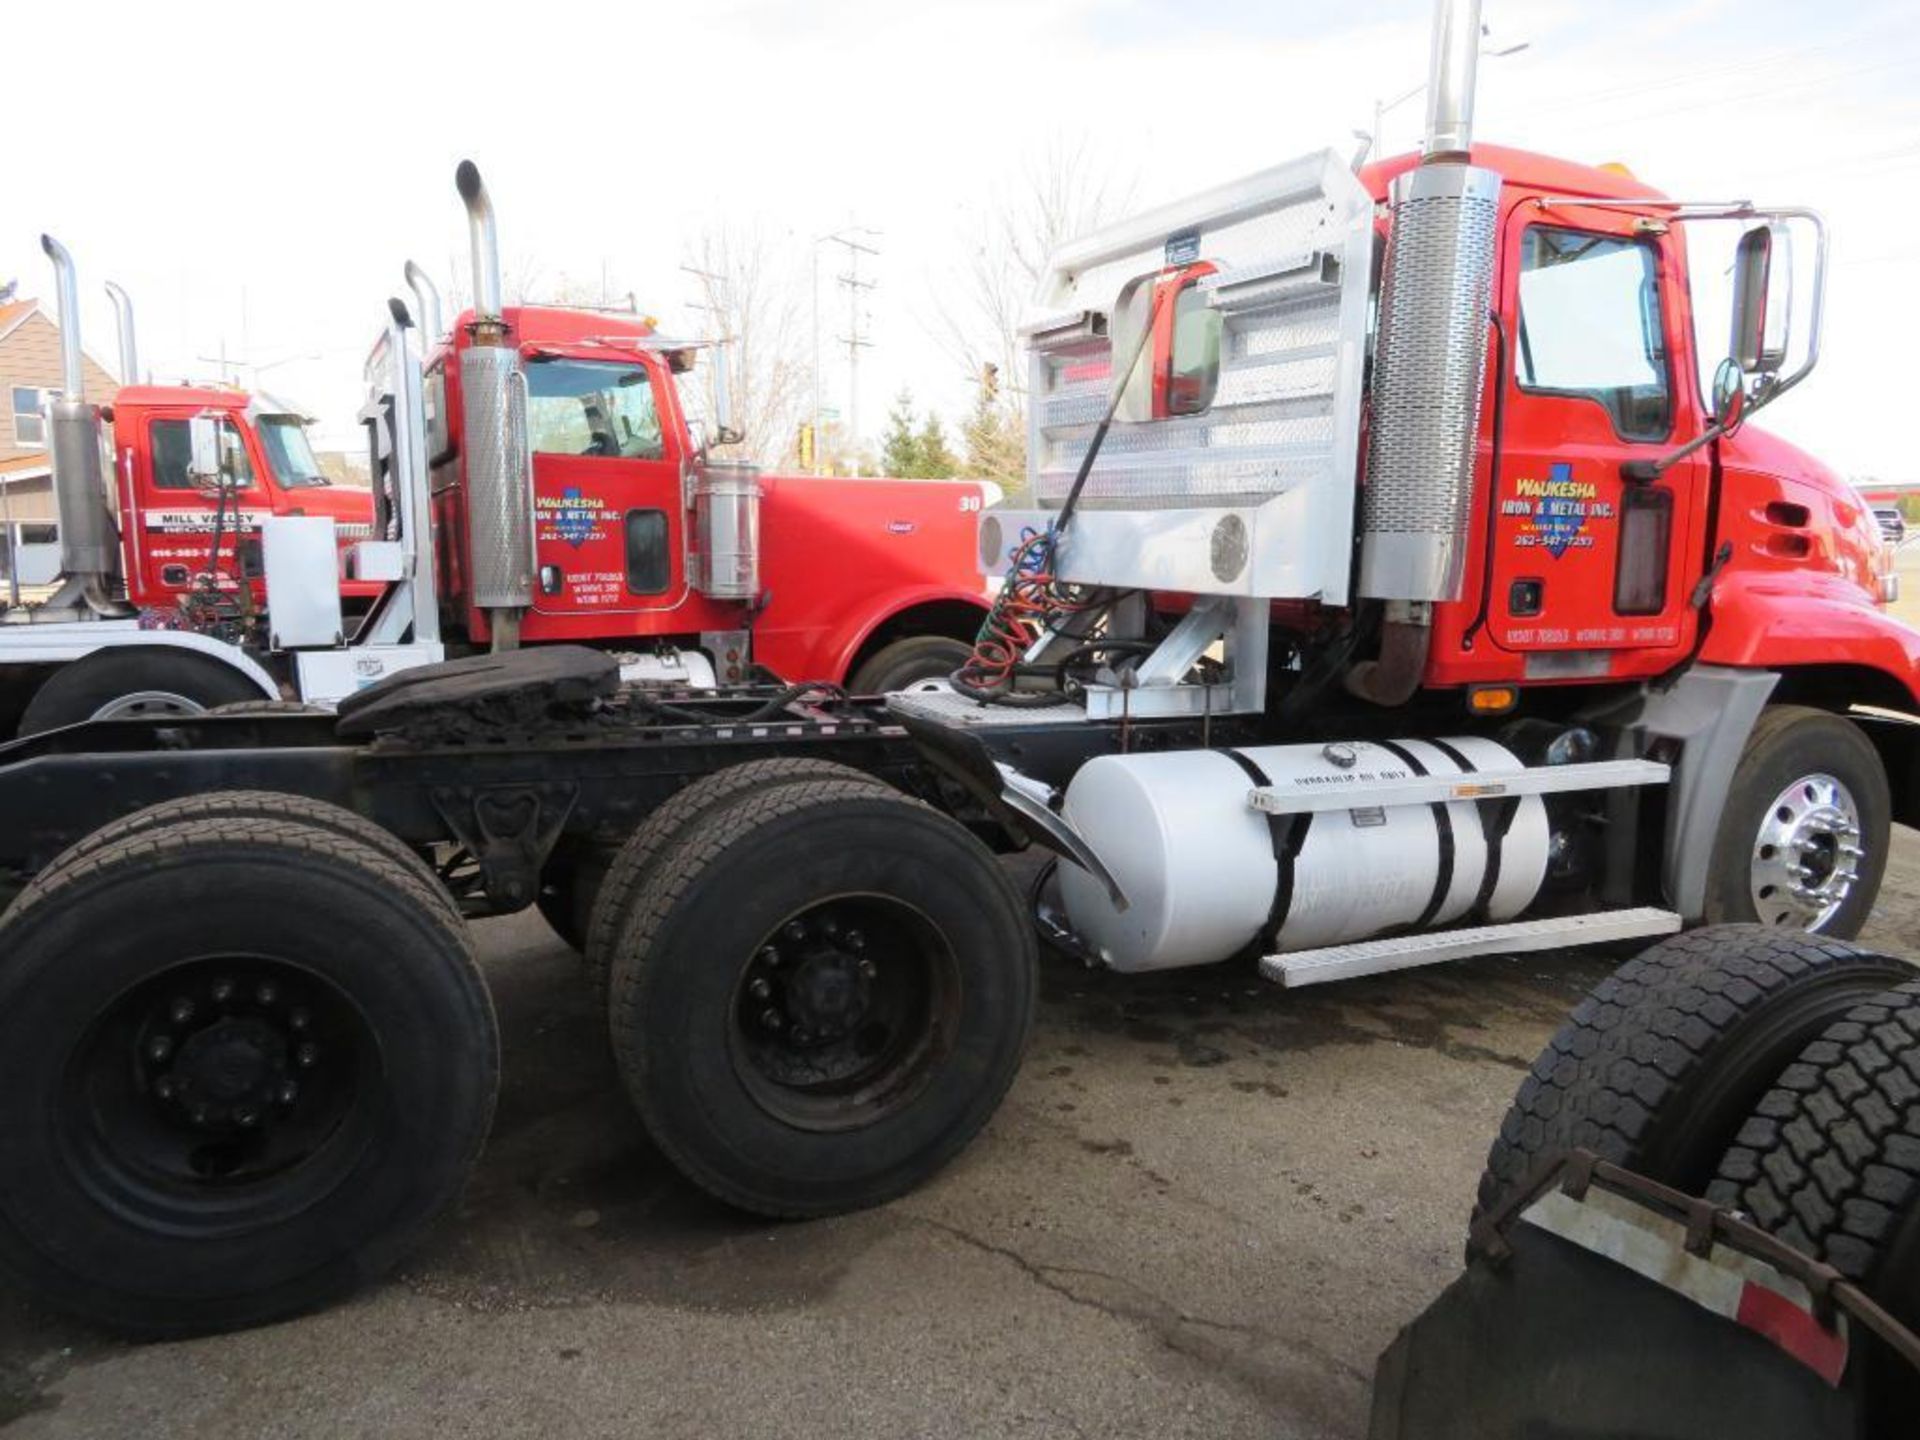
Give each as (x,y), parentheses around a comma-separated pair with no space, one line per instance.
(210,564)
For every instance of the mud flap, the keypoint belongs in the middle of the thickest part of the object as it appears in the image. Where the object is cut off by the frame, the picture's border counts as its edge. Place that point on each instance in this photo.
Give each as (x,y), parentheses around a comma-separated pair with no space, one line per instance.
(1598,1316)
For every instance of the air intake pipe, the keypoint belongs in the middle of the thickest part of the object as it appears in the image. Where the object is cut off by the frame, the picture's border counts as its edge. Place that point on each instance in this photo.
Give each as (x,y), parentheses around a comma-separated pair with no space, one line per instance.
(426,296)
(89,540)
(123,322)
(1429,370)
(493,399)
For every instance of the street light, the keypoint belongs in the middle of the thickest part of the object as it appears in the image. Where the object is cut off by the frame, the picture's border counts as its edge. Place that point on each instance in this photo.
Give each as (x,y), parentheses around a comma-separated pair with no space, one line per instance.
(1382,108)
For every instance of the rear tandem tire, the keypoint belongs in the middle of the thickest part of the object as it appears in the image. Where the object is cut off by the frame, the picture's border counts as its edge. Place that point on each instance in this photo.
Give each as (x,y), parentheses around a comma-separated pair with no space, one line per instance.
(247,1063)
(249,805)
(820,996)
(1660,1065)
(177,681)
(633,864)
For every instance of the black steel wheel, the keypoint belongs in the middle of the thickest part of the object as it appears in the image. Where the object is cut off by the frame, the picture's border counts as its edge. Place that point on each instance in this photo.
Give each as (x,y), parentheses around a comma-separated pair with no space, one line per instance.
(821,994)
(844,1011)
(906,664)
(248,1061)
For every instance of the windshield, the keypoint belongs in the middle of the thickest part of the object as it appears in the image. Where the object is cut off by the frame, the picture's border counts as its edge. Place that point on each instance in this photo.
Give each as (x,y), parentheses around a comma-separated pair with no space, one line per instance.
(584,407)
(289,455)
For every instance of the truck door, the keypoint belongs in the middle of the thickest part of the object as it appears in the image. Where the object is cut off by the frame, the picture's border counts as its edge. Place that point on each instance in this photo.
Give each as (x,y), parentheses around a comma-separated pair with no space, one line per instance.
(1590,572)
(174,537)
(609,515)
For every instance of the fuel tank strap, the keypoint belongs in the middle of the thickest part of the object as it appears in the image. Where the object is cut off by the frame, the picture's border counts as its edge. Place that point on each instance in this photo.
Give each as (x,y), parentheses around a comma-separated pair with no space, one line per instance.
(1289,833)
(1443,827)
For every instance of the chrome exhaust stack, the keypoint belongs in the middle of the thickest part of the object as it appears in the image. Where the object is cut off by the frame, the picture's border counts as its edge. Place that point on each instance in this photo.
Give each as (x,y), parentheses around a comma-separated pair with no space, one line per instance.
(499,466)
(1429,369)
(123,323)
(89,539)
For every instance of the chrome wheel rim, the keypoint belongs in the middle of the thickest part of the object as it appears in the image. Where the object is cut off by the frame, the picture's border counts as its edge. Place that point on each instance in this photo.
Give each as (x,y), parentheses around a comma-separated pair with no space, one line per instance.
(139,704)
(1806,858)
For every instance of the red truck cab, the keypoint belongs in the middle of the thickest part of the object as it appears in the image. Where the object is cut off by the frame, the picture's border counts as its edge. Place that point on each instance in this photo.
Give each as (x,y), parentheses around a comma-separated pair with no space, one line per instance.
(848,567)
(168,514)
(1577,571)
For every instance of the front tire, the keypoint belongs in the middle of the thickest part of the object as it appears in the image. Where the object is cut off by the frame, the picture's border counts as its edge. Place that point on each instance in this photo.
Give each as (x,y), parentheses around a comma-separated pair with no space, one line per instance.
(1804,834)
(134,682)
(917,660)
(248,1062)
(820,996)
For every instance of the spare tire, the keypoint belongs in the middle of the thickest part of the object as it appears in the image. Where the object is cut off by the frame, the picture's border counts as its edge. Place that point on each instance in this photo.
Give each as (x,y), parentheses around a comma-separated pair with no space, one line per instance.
(1829,1162)
(1658,1068)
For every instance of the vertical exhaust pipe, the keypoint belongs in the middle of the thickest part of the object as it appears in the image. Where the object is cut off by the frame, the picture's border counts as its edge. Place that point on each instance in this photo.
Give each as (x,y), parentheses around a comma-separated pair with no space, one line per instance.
(426,296)
(89,540)
(73,376)
(123,322)
(494,449)
(1451,71)
(1429,372)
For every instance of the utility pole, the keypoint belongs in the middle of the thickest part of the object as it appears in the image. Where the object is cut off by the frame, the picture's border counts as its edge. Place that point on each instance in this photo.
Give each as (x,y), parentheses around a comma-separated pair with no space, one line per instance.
(714,287)
(853,340)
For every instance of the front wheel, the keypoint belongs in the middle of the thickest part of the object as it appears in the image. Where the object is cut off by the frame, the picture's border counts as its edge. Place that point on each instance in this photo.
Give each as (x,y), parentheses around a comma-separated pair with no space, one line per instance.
(1803,838)
(909,664)
(134,683)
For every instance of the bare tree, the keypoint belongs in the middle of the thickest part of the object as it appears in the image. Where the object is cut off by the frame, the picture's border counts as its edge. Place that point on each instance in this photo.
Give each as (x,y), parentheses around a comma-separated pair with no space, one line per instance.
(746,298)
(1058,194)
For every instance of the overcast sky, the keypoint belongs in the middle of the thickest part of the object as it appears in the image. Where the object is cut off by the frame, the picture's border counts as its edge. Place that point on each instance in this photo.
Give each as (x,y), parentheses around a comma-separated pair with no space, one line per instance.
(256,174)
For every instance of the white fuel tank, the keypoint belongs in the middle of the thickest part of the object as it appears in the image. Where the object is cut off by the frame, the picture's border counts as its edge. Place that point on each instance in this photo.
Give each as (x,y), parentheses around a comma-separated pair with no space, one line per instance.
(1197,861)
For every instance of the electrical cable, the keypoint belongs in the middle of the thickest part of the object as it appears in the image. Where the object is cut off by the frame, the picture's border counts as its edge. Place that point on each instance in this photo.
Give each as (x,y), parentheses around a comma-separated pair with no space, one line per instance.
(1032,602)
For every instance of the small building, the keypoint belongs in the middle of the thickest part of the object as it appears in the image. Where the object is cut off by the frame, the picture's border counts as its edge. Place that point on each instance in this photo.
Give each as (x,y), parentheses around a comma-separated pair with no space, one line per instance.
(29,379)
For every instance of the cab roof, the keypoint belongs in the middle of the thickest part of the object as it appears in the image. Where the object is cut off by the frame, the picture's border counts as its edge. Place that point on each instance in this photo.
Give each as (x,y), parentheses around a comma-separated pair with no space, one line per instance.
(1527,170)
(555,325)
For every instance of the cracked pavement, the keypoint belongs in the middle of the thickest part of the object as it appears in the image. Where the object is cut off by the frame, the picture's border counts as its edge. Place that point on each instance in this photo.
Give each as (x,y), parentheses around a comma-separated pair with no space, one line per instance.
(1203,1210)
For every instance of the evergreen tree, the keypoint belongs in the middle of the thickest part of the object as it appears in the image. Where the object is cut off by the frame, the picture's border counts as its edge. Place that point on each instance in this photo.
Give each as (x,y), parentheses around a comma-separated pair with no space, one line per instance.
(936,461)
(900,452)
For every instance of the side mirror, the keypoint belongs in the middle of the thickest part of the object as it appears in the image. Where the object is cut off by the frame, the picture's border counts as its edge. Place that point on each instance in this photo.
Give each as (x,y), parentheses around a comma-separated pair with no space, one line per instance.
(1729,396)
(1762,299)
(203,442)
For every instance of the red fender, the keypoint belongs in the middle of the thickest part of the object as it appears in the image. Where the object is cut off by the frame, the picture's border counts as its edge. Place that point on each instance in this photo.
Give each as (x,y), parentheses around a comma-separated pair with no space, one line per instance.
(1776,621)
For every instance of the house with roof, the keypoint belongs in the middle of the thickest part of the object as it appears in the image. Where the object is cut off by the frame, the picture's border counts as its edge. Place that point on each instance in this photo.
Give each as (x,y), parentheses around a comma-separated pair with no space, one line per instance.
(29,380)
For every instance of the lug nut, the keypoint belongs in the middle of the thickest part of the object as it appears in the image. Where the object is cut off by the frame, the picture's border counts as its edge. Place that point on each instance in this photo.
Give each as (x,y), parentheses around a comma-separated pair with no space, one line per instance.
(246,1116)
(867,969)
(287,1093)
(794,930)
(163,1087)
(222,991)
(201,1114)
(801,1035)
(300,1019)
(829,926)
(759,989)
(159,1048)
(305,1056)
(181,1010)
(267,994)
(769,957)
(770,1018)
(854,941)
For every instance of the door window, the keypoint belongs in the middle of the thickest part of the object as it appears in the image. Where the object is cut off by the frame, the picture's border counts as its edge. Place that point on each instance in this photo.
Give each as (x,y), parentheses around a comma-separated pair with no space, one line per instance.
(1590,326)
(173,455)
(580,407)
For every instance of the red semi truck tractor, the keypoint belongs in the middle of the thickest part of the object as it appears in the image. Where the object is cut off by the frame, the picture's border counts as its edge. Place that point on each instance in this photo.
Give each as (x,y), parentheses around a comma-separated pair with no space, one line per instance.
(207,563)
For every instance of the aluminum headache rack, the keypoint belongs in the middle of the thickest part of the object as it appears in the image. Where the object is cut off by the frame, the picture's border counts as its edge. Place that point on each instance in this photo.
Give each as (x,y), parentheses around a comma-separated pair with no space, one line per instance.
(1254,497)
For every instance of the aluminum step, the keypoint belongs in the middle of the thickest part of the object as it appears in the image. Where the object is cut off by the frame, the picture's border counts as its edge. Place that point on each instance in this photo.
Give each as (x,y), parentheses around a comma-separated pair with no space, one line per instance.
(1403,952)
